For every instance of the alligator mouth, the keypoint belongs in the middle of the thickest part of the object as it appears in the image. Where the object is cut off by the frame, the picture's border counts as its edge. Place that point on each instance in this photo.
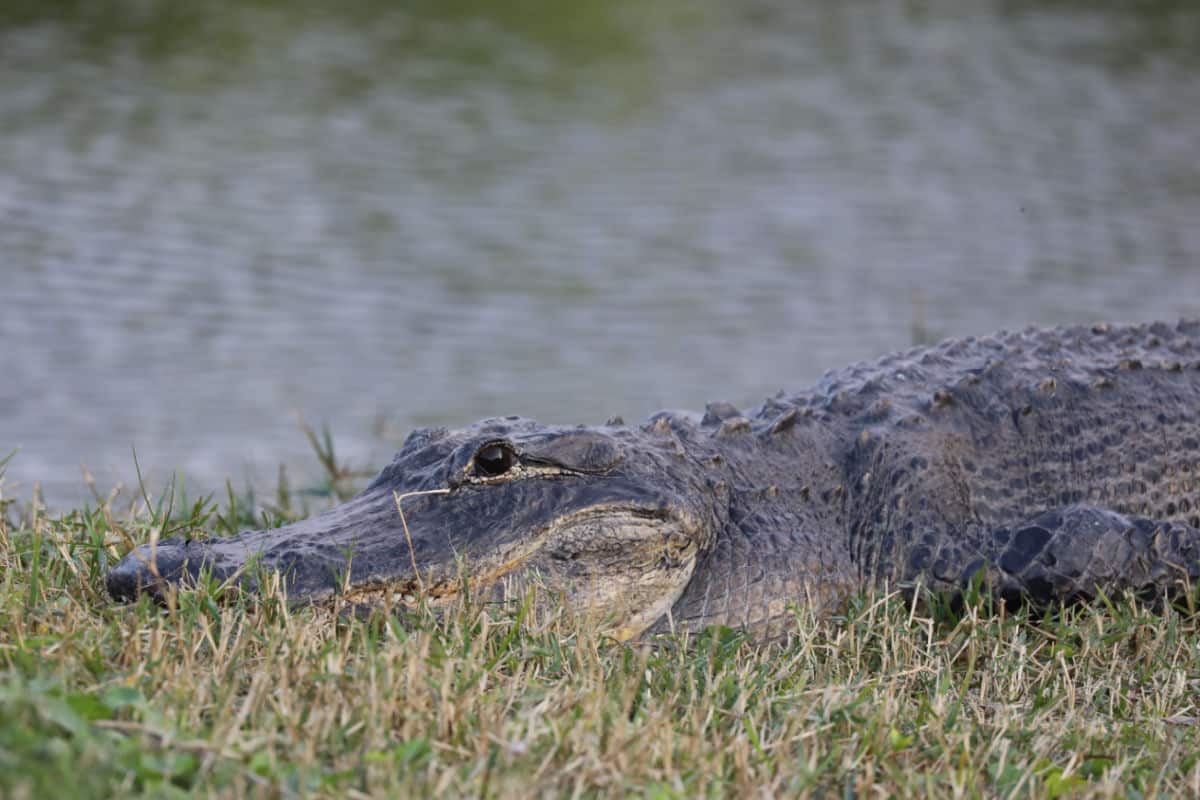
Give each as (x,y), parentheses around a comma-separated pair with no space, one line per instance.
(412,593)
(158,569)
(493,579)
(360,552)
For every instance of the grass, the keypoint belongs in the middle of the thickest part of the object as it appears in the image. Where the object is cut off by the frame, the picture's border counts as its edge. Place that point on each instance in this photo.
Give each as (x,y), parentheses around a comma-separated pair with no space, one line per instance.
(243,697)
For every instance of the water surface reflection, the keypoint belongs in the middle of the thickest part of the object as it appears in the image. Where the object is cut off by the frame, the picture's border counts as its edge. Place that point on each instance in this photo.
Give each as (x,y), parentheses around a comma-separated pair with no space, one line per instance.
(217,216)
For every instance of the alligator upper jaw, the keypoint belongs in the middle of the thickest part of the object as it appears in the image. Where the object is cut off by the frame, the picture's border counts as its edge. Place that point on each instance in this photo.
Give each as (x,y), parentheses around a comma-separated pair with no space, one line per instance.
(156,570)
(313,556)
(359,551)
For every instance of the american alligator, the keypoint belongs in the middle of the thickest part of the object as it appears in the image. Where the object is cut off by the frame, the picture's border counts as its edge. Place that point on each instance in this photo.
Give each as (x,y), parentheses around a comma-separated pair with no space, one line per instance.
(1049,465)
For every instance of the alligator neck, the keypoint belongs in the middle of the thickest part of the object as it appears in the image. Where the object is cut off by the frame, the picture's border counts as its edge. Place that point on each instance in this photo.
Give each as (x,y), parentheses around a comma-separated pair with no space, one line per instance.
(783,542)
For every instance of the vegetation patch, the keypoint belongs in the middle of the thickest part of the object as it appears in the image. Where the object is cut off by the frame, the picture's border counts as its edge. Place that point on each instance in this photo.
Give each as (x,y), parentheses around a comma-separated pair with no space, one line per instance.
(219,694)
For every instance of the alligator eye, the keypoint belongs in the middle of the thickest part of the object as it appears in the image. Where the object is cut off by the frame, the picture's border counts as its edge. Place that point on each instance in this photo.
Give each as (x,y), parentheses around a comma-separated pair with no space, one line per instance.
(493,460)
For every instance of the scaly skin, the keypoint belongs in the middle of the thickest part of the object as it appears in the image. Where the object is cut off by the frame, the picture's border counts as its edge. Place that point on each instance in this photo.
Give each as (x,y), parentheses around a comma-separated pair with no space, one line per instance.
(1059,462)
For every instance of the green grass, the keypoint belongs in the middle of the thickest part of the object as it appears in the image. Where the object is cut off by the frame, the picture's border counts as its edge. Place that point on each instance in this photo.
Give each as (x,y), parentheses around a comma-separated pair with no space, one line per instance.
(245,698)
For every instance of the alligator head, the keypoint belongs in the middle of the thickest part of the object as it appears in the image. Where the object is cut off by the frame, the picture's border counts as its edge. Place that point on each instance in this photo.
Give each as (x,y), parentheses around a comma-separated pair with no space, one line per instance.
(608,518)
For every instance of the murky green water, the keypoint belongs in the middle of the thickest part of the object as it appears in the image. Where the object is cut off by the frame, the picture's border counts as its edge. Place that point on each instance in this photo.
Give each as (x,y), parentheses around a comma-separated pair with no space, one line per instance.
(216,217)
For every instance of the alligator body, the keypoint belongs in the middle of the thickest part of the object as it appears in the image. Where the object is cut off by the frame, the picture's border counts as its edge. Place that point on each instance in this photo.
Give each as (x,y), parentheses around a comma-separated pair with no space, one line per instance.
(1052,464)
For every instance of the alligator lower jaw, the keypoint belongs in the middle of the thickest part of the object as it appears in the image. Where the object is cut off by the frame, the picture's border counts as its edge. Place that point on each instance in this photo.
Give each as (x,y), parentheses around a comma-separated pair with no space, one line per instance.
(409,596)
(395,594)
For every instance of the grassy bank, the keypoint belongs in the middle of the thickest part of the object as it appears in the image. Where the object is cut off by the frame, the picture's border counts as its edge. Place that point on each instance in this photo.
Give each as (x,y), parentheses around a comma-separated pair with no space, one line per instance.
(234,698)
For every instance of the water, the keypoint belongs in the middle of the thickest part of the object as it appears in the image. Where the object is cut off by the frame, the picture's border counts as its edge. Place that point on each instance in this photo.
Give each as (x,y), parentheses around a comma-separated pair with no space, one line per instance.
(216,221)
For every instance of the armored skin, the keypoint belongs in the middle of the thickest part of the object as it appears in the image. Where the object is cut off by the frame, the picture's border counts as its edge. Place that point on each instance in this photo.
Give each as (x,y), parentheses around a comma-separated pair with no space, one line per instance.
(1052,464)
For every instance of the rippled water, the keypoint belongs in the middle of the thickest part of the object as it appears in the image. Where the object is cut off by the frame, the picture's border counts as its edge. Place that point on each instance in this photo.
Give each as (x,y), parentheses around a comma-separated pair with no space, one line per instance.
(215,221)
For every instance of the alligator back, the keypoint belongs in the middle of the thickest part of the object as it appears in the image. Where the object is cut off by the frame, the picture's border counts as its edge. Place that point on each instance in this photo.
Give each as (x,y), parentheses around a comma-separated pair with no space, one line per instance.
(1060,463)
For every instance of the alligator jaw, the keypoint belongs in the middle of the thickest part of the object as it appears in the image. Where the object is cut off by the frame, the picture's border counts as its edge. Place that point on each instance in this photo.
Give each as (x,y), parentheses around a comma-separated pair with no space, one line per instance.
(362,554)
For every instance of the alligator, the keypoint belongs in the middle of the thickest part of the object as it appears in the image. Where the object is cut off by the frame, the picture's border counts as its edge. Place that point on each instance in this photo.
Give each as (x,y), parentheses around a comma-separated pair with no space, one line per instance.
(1047,465)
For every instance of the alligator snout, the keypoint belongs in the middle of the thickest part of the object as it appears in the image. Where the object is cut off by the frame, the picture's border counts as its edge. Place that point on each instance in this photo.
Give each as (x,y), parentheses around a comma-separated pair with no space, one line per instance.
(150,569)
(358,542)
